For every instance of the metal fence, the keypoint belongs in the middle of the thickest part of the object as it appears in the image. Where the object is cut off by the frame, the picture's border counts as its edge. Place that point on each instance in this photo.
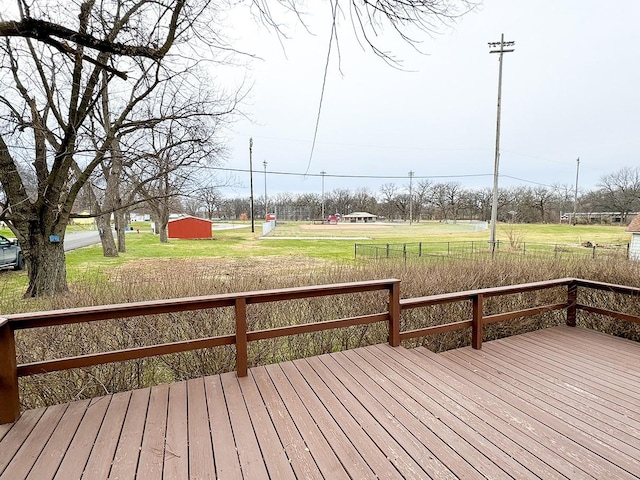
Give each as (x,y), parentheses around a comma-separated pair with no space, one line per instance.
(476,249)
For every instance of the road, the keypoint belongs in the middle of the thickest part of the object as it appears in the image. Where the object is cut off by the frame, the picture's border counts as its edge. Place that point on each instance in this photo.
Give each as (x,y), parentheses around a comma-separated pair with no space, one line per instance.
(79,239)
(73,240)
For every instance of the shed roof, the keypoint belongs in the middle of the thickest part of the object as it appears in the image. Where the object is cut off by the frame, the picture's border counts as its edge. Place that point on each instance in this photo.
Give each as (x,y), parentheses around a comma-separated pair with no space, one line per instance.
(183,217)
(634,226)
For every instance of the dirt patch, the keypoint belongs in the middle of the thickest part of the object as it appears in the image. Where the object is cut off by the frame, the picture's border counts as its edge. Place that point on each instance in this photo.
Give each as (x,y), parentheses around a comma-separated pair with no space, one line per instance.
(214,268)
(345,226)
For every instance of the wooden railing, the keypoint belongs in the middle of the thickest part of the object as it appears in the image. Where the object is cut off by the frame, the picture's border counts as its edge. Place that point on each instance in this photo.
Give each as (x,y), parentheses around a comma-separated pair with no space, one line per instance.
(10,371)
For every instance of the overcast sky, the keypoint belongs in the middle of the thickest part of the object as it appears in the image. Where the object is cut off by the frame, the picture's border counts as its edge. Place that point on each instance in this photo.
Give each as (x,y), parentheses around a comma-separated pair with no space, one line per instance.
(570,90)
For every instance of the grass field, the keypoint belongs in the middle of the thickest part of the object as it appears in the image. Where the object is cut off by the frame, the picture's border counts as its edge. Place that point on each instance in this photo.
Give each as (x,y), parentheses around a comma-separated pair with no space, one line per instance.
(296,241)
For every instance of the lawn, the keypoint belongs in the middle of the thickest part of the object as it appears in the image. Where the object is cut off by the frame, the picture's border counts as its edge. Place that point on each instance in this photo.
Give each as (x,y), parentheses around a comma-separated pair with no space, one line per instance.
(297,243)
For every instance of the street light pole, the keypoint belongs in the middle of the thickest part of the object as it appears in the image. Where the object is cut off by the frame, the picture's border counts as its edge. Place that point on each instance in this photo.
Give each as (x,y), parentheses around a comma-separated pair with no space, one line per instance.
(494,206)
(266,211)
(575,194)
(410,197)
(251,181)
(323,173)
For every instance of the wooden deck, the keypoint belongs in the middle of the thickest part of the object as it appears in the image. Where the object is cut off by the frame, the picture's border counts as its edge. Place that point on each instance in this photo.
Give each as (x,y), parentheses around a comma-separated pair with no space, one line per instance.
(557,403)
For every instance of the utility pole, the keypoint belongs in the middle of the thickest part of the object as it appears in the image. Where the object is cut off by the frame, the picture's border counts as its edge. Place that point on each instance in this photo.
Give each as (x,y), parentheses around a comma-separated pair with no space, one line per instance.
(251,181)
(266,210)
(494,206)
(575,194)
(323,173)
(410,197)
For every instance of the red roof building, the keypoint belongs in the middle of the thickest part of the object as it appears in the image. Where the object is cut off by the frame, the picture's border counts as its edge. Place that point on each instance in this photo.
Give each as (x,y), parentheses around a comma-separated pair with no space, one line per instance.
(189,227)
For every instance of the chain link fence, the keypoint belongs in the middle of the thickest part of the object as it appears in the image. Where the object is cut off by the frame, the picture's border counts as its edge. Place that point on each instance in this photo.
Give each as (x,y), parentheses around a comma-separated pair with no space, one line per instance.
(476,249)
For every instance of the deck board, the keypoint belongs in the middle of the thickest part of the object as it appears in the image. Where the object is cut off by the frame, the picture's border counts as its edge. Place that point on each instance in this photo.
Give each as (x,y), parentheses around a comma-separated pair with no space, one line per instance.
(302,462)
(16,436)
(324,456)
(574,445)
(225,454)
(200,446)
(251,461)
(125,461)
(273,451)
(580,377)
(102,454)
(557,403)
(491,459)
(74,462)
(546,390)
(51,456)
(471,423)
(151,459)
(176,452)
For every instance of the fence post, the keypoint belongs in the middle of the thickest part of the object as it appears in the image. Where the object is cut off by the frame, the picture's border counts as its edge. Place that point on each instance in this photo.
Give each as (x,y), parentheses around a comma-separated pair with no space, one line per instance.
(572,300)
(394,314)
(387,250)
(420,249)
(594,252)
(9,394)
(404,252)
(241,336)
(476,328)
(355,251)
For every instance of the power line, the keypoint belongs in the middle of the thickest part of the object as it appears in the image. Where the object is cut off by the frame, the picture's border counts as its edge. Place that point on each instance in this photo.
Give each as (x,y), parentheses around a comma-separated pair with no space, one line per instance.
(379,177)
(334,8)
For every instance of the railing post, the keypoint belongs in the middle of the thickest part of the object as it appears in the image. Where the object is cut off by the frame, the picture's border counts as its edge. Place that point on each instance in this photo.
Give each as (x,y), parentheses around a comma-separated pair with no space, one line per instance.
(394,314)
(241,336)
(9,394)
(476,328)
(572,300)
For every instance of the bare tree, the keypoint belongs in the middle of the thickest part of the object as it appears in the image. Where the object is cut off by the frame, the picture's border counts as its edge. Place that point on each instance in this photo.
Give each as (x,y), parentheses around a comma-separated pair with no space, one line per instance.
(54,62)
(172,154)
(56,58)
(389,193)
(620,191)
(207,199)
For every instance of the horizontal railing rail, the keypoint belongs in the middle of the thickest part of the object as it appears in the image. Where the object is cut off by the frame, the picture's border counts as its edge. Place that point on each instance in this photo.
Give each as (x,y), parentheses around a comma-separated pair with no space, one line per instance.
(478,319)
(10,370)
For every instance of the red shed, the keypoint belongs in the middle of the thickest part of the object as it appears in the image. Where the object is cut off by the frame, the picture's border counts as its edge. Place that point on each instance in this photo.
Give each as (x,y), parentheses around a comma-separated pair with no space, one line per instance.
(189,227)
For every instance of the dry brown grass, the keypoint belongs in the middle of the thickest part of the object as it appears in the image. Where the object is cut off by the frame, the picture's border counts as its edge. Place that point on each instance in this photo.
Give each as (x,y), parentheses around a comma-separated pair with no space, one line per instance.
(150,279)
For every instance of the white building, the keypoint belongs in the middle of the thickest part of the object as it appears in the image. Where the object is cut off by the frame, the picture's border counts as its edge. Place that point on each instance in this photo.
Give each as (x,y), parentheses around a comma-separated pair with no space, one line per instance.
(634,246)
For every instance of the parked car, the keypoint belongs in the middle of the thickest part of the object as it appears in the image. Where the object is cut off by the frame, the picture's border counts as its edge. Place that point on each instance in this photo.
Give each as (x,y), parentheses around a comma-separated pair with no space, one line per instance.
(11,254)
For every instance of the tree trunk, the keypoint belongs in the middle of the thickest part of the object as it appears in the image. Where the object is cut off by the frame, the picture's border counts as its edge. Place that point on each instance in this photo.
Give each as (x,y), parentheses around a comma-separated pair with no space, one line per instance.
(106,235)
(121,227)
(160,217)
(46,265)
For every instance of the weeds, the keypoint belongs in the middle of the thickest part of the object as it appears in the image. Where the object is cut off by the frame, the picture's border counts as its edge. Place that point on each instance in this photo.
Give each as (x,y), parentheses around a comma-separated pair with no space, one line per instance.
(180,278)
